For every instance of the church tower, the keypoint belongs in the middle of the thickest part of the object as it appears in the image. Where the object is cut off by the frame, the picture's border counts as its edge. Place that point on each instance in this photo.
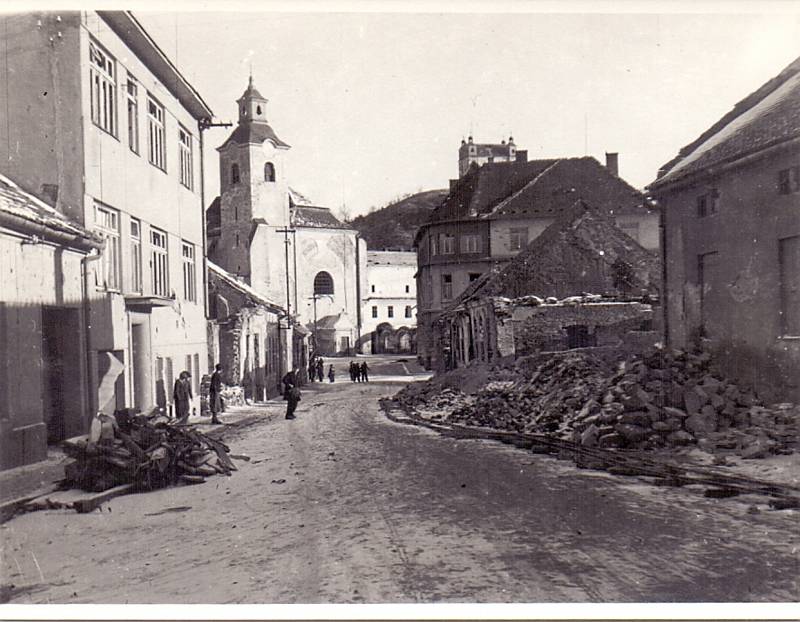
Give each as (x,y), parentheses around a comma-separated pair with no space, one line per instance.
(254,195)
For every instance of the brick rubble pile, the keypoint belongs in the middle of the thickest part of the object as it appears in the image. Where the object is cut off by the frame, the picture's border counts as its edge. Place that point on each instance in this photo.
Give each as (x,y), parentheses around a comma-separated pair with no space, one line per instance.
(664,399)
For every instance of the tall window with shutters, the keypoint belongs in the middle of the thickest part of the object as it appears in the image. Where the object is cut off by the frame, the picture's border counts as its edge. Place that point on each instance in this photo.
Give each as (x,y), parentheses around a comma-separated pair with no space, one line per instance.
(107,224)
(159,263)
(156,152)
(103,88)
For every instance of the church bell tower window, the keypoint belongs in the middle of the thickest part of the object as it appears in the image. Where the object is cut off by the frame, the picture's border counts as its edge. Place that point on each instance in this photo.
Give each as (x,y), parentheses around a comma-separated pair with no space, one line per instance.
(269,172)
(323,284)
(235,174)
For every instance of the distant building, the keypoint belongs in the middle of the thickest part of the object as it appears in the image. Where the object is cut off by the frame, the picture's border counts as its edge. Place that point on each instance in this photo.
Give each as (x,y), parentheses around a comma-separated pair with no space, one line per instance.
(471,153)
(43,326)
(582,259)
(496,209)
(98,122)
(277,242)
(731,205)
(390,303)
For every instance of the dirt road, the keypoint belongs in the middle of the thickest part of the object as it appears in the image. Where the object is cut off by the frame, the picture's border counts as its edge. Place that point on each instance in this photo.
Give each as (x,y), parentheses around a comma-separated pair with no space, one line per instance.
(341,505)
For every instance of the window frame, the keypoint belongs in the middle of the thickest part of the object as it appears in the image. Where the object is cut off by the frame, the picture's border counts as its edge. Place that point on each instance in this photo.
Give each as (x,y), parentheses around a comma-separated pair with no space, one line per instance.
(112,252)
(318,285)
(189,265)
(470,243)
(789,180)
(269,177)
(159,263)
(132,106)
(520,234)
(789,325)
(156,133)
(374,311)
(447,243)
(185,158)
(446,281)
(407,312)
(390,311)
(103,89)
(137,274)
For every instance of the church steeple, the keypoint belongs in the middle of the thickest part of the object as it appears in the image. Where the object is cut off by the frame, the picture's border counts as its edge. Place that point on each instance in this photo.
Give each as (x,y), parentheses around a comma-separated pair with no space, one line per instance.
(252,105)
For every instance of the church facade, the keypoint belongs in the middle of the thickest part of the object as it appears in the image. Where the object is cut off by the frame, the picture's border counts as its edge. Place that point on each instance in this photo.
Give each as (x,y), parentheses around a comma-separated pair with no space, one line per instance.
(278,242)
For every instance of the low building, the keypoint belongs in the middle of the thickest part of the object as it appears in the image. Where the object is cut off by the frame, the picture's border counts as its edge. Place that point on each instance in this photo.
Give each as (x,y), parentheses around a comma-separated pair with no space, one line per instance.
(583,259)
(248,336)
(496,209)
(389,305)
(44,389)
(731,224)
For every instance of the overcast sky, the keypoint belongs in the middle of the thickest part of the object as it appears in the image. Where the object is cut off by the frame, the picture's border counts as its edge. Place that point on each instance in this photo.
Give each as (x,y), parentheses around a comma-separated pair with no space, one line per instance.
(376,105)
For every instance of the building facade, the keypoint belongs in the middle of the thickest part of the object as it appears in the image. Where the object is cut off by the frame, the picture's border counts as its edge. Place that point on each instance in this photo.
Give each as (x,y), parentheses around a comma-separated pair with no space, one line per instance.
(100,124)
(44,395)
(390,303)
(278,242)
(731,210)
(496,209)
(471,153)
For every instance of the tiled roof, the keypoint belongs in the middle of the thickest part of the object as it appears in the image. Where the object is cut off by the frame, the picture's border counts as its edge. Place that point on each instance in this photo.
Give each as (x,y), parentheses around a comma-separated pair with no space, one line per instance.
(253,132)
(538,188)
(15,202)
(391,258)
(564,260)
(296,198)
(251,92)
(767,117)
(311,216)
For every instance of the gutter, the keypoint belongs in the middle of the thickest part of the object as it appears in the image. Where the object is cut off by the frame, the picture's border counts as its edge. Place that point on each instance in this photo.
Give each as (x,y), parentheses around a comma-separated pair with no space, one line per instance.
(87,325)
(78,241)
(358,292)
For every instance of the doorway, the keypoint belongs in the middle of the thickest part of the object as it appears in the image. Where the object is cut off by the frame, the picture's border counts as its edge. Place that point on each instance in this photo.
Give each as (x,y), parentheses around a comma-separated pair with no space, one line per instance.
(62,396)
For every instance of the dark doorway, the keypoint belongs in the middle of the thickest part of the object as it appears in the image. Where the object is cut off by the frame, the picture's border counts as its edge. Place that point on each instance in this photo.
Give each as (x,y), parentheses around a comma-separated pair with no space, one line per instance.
(578,337)
(62,397)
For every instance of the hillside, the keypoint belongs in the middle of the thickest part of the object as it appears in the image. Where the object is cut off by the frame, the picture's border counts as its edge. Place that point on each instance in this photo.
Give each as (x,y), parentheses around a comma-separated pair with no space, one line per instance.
(394,226)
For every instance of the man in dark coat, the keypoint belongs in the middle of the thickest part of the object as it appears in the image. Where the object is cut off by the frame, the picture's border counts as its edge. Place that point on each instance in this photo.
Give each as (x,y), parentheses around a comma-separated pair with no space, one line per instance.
(364,372)
(291,393)
(214,393)
(182,395)
(320,369)
(352,371)
(311,369)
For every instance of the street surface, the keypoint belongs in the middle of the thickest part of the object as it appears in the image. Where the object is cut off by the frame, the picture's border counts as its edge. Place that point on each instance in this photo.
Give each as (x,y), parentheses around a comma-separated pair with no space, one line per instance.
(343,506)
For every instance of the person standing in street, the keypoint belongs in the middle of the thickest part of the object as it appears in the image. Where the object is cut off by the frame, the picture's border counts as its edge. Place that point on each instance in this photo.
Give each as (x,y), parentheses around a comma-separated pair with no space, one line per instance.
(357,370)
(320,369)
(214,394)
(291,393)
(352,371)
(331,374)
(182,394)
(364,372)
(311,369)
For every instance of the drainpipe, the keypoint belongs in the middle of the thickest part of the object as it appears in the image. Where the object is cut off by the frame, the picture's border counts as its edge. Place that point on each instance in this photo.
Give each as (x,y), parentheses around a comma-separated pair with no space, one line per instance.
(87,326)
(200,128)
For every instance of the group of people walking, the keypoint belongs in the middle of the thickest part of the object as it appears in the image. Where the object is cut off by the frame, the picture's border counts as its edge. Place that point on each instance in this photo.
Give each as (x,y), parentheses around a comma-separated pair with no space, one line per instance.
(316,369)
(359,372)
(182,395)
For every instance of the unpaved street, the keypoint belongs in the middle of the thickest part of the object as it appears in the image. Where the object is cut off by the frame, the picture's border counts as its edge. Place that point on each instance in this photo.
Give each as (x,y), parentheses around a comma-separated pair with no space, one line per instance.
(342,505)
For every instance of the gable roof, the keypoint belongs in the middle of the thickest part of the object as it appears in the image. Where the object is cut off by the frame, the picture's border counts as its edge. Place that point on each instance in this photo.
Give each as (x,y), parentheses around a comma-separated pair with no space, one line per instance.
(537,188)
(572,256)
(231,281)
(23,212)
(766,117)
(253,132)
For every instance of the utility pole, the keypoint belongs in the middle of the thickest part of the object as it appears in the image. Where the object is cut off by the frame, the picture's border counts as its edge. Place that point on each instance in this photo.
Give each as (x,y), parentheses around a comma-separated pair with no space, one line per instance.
(286,231)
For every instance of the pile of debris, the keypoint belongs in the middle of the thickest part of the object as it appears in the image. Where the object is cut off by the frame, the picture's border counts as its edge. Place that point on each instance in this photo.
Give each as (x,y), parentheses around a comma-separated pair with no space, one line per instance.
(148,451)
(663,399)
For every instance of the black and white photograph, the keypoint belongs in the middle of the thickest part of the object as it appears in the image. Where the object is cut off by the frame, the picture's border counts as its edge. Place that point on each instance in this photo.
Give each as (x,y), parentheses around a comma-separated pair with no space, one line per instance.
(372,310)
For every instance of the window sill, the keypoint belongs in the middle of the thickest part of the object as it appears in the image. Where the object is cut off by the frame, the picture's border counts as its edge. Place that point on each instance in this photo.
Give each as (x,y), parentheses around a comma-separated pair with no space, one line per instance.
(105,131)
(789,338)
(156,166)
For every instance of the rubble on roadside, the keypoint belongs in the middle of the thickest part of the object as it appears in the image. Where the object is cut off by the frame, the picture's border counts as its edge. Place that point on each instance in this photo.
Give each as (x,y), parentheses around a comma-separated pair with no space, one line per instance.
(148,451)
(665,399)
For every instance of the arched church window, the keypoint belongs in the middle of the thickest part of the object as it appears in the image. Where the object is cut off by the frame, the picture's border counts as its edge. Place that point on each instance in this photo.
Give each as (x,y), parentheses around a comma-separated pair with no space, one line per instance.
(269,172)
(235,174)
(323,283)
(258,109)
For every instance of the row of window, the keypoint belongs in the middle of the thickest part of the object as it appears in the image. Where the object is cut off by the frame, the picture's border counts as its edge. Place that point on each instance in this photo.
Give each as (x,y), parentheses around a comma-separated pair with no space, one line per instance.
(103,96)
(408,289)
(788,183)
(445,244)
(390,311)
(269,173)
(107,223)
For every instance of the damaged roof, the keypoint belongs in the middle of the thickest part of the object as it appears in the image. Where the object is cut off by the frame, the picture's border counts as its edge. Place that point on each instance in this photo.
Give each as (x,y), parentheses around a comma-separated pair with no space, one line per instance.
(765,118)
(391,258)
(232,282)
(537,188)
(313,216)
(24,212)
(575,254)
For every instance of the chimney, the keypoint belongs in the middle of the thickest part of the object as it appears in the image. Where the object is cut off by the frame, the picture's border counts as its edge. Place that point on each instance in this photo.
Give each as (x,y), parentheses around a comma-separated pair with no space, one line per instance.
(522,155)
(612,163)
